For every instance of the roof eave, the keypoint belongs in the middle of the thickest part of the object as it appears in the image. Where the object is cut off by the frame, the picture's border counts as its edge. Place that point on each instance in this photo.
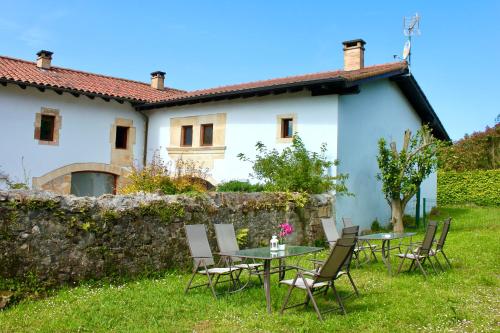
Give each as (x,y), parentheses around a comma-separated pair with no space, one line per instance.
(249,92)
(420,103)
(74,92)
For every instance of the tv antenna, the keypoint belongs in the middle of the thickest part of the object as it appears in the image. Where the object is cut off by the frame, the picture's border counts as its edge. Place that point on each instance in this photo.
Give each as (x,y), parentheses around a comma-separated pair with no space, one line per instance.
(411,27)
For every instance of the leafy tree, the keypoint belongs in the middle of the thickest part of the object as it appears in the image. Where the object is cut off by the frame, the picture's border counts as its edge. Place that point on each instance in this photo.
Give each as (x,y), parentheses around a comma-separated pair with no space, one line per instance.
(402,172)
(478,151)
(295,169)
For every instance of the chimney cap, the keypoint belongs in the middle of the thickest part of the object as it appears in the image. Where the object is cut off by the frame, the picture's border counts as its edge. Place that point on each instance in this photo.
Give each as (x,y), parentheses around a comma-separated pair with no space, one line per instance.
(158,73)
(44,53)
(354,42)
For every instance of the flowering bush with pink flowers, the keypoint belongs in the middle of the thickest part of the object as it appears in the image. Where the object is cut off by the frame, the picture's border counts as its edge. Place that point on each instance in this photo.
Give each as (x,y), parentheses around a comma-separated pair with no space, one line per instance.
(285,230)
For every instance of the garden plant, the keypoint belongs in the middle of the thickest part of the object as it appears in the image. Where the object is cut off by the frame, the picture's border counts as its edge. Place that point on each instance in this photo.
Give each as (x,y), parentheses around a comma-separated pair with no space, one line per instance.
(402,172)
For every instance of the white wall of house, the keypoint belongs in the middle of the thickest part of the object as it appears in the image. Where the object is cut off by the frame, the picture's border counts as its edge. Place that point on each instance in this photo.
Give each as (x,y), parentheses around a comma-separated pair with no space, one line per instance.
(251,120)
(84,134)
(379,110)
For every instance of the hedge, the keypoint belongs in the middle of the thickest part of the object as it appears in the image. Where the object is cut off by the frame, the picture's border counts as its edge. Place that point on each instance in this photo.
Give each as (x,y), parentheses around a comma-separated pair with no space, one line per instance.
(480,187)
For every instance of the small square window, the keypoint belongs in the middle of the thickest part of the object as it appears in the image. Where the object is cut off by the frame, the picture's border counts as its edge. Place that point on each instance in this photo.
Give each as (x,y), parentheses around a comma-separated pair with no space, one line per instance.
(121,137)
(187,136)
(207,133)
(286,128)
(47,125)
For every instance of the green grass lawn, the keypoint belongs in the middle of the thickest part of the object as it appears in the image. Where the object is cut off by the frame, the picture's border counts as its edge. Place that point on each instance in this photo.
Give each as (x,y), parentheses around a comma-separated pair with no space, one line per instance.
(465,298)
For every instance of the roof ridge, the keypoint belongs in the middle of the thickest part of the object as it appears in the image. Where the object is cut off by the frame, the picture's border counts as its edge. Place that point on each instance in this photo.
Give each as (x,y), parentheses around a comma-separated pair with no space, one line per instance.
(88,73)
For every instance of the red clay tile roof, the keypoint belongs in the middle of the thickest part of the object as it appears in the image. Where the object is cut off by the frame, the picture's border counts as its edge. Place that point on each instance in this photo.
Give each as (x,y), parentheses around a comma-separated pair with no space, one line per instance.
(355,75)
(26,72)
(21,71)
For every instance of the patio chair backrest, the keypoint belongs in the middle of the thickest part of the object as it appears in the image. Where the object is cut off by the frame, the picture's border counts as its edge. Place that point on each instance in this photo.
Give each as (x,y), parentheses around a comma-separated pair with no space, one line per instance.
(347,222)
(330,229)
(430,233)
(444,233)
(352,231)
(198,244)
(340,253)
(226,239)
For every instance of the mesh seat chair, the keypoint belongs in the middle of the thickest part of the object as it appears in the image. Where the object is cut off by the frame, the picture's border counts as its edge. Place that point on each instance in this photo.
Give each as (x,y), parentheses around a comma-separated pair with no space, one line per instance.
(203,259)
(361,246)
(440,243)
(347,222)
(323,279)
(330,229)
(353,231)
(226,240)
(349,232)
(419,255)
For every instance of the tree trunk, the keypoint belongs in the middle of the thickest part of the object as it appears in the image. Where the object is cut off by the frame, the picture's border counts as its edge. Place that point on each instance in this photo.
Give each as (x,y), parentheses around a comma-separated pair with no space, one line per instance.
(397,211)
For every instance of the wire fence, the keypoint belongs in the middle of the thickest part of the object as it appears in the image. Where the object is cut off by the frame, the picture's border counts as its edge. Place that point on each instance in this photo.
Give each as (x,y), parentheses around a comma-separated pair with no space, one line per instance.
(420,208)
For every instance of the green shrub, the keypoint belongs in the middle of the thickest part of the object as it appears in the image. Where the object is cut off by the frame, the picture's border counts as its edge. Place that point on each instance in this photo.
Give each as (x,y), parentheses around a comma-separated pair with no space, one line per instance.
(242,237)
(479,187)
(295,169)
(18,186)
(239,186)
(376,225)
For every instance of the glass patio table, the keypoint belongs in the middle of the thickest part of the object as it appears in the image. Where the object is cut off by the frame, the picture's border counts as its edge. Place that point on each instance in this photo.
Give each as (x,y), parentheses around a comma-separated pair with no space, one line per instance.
(386,243)
(265,254)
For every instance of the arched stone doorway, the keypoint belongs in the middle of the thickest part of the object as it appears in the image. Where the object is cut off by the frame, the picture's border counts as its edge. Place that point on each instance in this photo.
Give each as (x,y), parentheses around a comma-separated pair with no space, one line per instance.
(60,179)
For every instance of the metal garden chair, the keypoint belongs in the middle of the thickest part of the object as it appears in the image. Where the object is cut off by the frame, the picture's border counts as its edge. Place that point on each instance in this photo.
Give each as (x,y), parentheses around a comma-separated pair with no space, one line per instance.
(226,240)
(203,259)
(419,255)
(323,279)
(330,229)
(440,243)
(347,222)
(362,245)
(349,232)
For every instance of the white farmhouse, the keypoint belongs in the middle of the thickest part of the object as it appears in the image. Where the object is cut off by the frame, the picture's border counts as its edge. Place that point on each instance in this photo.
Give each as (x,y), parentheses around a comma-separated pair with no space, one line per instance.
(74,132)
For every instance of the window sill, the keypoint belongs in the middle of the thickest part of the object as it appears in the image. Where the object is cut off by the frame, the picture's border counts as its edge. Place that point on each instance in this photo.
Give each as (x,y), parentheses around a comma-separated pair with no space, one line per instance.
(197,150)
(284,140)
(48,143)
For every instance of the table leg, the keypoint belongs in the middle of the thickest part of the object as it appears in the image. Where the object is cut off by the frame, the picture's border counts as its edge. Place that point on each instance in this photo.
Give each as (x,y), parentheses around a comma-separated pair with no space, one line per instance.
(282,269)
(388,260)
(267,283)
(386,250)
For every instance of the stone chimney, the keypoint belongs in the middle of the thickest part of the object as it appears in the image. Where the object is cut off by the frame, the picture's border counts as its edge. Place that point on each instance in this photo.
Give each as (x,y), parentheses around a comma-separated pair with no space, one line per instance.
(44,59)
(158,80)
(354,54)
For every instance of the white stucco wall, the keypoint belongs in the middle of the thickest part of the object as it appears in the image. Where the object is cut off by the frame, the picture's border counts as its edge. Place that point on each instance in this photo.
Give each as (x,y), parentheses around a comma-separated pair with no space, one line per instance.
(84,135)
(379,110)
(251,120)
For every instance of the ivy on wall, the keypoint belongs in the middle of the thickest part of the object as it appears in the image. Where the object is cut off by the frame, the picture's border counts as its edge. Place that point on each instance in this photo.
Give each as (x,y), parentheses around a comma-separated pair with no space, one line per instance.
(480,187)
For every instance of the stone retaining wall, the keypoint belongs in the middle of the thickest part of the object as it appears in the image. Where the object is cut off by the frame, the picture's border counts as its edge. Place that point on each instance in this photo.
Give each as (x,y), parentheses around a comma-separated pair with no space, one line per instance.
(65,239)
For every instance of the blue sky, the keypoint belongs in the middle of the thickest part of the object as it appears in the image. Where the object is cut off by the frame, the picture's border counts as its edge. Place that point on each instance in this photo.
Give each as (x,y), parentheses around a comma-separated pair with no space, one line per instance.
(203,44)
